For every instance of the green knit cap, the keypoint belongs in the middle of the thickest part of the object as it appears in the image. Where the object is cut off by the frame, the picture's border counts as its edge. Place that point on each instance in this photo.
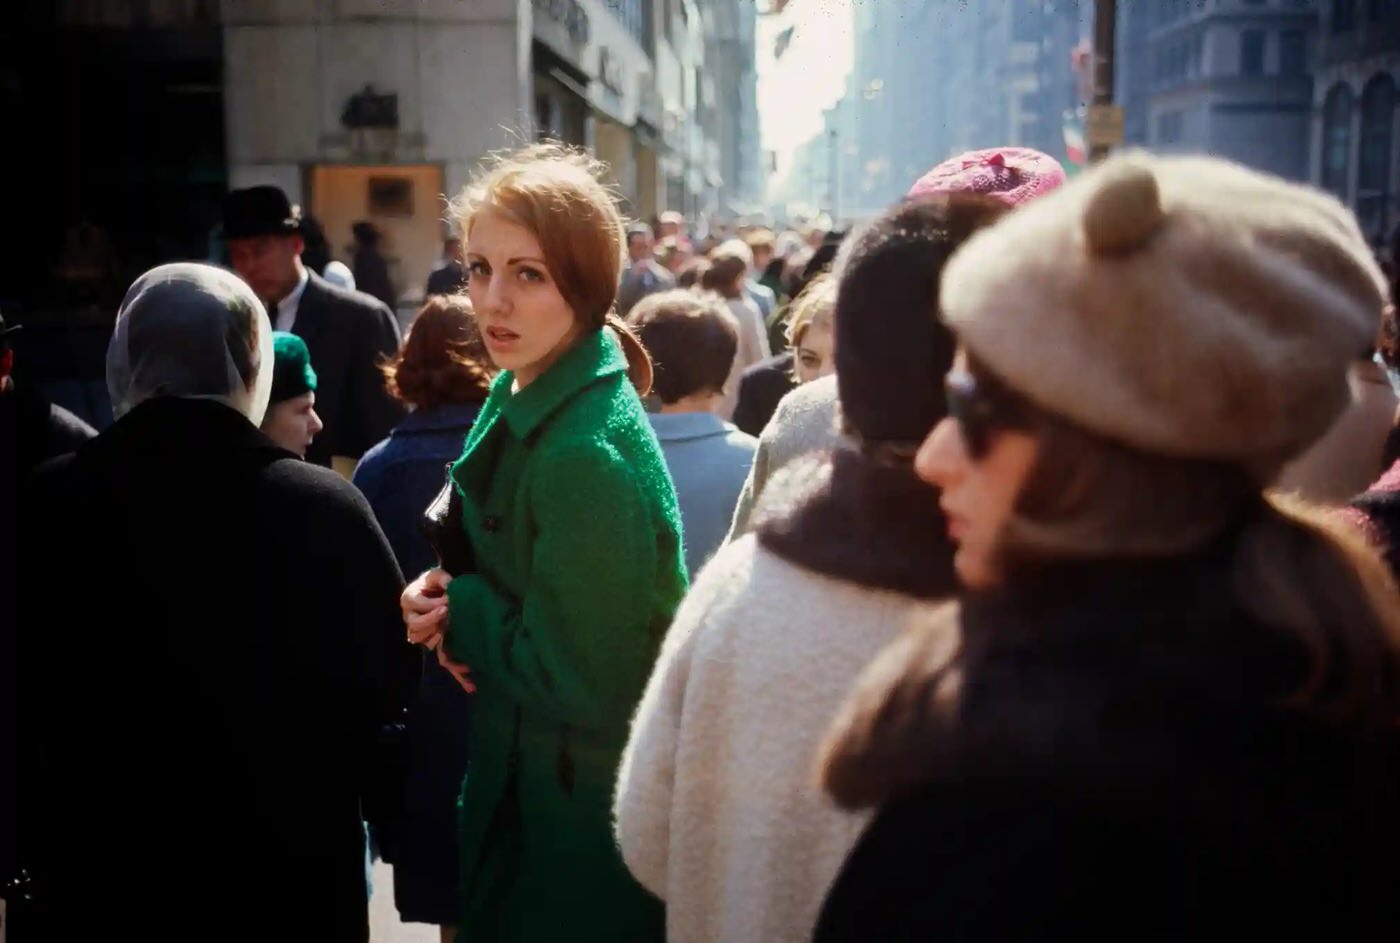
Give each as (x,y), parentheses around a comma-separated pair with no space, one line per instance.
(292,375)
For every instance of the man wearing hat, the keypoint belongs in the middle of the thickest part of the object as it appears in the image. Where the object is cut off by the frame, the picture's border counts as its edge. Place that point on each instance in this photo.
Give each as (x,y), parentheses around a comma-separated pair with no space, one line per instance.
(371,270)
(346,332)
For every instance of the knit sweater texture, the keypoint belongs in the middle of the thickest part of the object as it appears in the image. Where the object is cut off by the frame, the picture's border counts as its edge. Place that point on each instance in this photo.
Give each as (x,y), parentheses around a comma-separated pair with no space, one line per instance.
(717,807)
(806,421)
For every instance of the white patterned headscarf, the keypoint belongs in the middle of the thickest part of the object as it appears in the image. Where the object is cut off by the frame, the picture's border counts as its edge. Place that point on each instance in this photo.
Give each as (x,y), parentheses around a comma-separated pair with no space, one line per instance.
(194,331)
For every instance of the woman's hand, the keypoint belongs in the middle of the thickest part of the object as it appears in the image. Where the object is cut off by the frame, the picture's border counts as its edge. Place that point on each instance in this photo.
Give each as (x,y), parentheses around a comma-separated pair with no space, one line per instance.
(424,605)
(460,672)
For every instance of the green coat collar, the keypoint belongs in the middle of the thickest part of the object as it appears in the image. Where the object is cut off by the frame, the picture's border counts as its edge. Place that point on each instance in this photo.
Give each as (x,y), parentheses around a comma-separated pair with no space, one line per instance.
(597,354)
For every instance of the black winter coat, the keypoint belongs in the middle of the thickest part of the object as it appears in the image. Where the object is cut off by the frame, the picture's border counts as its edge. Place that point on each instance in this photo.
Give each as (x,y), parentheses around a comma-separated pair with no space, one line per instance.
(1113,763)
(348,334)
(32,430)
(209,645)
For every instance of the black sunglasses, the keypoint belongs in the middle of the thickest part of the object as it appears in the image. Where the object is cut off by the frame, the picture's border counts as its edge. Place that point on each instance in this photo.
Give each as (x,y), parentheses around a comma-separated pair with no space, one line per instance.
(978,415)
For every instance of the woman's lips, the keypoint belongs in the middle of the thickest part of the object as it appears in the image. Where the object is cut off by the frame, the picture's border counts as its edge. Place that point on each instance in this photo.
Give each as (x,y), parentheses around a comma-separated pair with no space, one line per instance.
(957,526)
(499,336)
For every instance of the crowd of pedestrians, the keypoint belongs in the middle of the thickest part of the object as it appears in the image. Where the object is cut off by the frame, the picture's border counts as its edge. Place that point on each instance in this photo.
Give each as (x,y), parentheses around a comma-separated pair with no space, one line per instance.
(1018,564)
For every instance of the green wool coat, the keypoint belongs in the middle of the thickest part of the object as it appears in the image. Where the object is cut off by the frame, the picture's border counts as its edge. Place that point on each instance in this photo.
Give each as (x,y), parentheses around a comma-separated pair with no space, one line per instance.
(574,522)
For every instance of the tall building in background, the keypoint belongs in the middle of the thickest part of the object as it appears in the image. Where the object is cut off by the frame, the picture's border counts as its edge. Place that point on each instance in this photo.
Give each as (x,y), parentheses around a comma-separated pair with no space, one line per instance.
(1229,77)
(1303,88)
(1355,149)
(362,109)
(731,70)
(932,78)
(358,109)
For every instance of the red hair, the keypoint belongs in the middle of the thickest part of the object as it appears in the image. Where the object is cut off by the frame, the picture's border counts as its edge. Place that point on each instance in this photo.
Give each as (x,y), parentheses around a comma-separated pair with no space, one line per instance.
(555,192)
(442,361)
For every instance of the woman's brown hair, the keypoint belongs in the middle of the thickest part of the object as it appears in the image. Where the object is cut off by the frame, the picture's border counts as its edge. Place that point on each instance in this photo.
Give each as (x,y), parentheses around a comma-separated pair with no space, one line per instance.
(1295,568)
(555,192)
(442,361)
(723,275)
(693,273)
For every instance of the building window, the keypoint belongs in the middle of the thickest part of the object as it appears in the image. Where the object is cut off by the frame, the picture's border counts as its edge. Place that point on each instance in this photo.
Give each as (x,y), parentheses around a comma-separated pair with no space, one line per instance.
(1374,182)
(1293,52)
(1336,140)
(1252,52)
(629,13)
(1171,127)
(1343,16)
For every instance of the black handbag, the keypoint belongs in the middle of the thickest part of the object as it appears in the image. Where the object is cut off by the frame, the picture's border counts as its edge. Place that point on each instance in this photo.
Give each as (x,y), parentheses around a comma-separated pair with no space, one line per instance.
(442,523)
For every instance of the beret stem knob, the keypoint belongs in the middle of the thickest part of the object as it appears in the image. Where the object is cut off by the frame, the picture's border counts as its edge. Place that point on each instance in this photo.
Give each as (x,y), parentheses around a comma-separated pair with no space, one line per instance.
(1125,210)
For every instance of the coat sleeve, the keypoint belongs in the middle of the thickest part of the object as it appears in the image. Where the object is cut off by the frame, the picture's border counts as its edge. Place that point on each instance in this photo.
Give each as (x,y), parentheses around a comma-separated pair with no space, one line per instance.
(647,776)
(580,644)
(373,412)
(748,497)
(385,665)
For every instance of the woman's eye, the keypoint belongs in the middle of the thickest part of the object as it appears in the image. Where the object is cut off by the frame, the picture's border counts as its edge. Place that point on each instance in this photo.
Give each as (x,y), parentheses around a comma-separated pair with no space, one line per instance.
(531,275)
(478,270)
(810,360)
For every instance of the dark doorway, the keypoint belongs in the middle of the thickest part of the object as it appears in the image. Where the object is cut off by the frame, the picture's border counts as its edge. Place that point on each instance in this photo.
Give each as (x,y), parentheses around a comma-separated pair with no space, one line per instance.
(114,162)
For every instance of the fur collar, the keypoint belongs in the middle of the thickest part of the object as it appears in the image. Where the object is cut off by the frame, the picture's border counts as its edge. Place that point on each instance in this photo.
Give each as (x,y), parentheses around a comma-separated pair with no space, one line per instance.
(844,516)
(1084,673)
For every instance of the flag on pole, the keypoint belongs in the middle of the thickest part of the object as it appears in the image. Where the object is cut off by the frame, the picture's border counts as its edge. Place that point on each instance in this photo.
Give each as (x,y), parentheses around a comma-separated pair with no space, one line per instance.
(1076,152)
(784,40)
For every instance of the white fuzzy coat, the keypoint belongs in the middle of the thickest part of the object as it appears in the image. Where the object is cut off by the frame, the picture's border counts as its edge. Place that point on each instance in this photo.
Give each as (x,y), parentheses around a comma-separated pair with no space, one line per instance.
(717,808)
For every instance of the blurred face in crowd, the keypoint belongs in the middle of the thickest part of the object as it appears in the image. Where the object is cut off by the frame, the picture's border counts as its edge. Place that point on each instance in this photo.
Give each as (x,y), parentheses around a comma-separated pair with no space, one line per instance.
(672,226)
(762,258)
(525,322)
(676,257)
(271,265)
(452,250)
(815,352)
(293,423)
(981,468)
(639,246)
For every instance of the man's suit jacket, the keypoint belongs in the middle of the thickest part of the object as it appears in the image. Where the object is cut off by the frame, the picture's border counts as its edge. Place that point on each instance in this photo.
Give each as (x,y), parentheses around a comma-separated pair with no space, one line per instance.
(447,279)
(638,283)
(348,334)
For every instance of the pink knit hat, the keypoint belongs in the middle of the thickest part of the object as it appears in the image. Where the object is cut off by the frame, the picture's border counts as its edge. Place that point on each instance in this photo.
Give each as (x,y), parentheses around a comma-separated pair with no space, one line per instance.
(1011,175)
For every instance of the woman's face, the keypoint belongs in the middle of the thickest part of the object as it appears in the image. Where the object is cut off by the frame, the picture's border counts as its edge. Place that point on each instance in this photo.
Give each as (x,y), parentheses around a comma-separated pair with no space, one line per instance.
(979,492)
(293,423)
(525,322)
(816,353)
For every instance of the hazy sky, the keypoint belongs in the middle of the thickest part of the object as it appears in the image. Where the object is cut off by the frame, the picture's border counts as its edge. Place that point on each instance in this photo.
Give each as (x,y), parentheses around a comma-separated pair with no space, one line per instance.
(811,75)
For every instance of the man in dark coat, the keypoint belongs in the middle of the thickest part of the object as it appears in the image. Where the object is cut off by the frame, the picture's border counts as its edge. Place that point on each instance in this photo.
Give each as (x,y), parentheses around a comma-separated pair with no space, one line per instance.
(761,388)
(32,430)
(198,771)
(449,277)
(347,332)
(644,276)
(371,269)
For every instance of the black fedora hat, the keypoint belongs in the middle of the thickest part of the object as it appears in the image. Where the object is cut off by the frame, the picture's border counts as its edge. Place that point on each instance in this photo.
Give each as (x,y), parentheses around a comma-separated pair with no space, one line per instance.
(260,211)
